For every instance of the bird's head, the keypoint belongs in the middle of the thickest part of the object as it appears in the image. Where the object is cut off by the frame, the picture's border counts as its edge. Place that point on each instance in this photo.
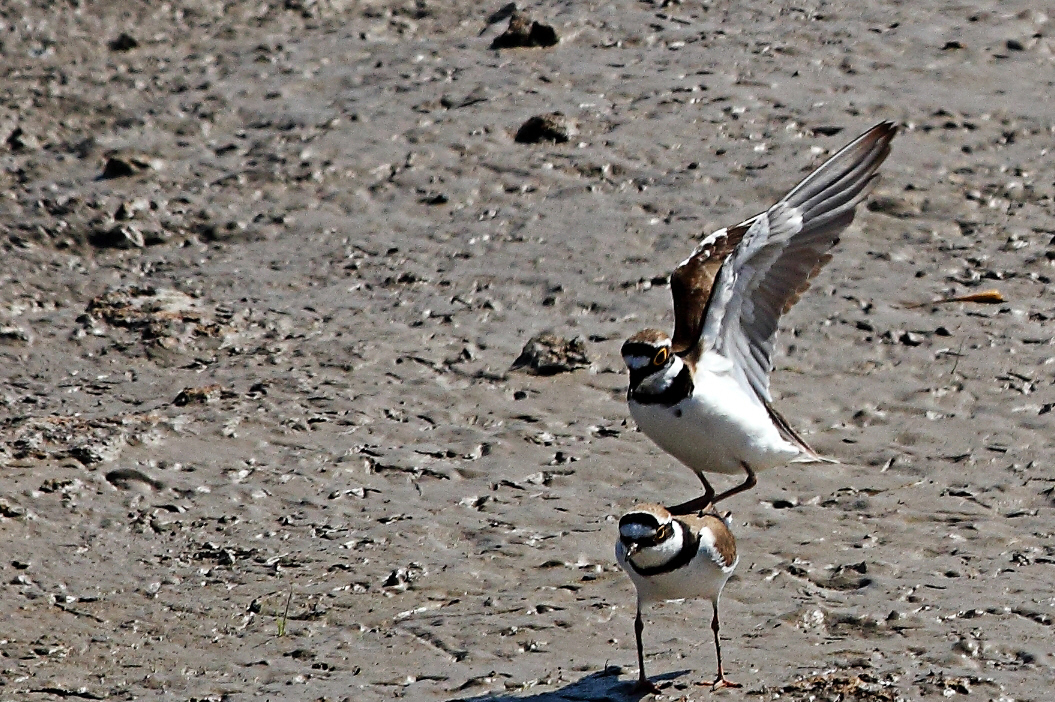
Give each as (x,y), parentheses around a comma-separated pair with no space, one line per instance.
(649,536)
(651,360)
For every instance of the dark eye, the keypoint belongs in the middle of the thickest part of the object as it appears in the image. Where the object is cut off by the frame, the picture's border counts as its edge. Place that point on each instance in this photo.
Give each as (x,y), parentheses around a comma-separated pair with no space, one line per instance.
(661,357)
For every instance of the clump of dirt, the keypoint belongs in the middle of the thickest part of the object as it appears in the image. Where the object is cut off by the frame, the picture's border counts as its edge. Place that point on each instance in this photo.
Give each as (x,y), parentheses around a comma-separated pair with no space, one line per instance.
(844,688)
(150,310)
(524,32)
(89,441)
(549,354)
(200,395)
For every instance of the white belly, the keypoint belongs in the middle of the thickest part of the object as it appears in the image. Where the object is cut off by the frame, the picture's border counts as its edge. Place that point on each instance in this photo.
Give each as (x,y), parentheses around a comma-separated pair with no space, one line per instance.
(700,578)
(717,429)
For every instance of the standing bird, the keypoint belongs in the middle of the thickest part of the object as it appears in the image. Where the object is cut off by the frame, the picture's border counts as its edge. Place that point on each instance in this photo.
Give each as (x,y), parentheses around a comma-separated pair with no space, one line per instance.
(703,395)
(670,559)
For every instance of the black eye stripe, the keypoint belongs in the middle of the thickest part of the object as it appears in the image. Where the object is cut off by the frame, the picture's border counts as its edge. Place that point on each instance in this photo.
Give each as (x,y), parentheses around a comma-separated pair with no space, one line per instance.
(642,518)
(662,534)
(638,348)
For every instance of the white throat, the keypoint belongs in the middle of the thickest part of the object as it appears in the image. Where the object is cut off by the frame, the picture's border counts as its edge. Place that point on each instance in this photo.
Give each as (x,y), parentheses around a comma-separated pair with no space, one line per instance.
(662,553)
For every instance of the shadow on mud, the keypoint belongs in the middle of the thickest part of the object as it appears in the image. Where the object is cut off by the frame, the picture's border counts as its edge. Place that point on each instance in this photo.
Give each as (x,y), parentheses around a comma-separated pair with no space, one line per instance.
(602,686)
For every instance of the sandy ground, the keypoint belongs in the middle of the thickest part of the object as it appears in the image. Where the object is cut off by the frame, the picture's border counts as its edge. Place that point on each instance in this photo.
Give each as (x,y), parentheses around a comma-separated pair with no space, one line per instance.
(265,360)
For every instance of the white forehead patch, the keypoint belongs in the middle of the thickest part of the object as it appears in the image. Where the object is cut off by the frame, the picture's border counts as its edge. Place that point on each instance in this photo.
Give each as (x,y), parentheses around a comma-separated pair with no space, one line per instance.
(635,531)
(636,362)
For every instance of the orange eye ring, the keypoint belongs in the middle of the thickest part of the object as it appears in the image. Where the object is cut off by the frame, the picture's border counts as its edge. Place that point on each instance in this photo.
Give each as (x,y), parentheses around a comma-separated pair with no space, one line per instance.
(661,357)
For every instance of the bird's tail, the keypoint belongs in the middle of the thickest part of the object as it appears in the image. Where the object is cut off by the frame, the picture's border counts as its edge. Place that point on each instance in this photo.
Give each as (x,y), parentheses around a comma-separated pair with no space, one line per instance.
(814,458)
(808,454)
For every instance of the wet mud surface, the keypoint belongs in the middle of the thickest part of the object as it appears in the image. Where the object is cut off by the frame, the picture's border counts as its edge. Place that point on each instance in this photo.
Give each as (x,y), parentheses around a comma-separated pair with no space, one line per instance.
(267,267)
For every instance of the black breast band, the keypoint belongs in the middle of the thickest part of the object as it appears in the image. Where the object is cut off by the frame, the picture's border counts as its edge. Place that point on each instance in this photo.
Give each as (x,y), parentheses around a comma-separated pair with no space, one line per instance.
(677,391)
(690,546)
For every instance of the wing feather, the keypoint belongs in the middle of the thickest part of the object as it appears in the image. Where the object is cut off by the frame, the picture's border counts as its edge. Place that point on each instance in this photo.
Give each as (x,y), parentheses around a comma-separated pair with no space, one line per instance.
(773,261)
(862,150)
(692,281)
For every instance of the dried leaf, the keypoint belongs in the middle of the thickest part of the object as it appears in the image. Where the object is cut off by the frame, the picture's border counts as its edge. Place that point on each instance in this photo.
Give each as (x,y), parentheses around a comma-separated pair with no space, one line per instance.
(985,297)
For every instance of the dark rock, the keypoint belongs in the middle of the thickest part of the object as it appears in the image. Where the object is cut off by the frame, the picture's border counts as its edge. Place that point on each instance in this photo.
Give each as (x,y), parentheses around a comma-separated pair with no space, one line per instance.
(125,478)
(123,42)
(125,165)
(118,168)
(11,511)
(13,335)
(553,126)
(895,206)
(911,338)
(523,32)
(123,236)
(128,210)
(202,395)
(229,231)
(19,140)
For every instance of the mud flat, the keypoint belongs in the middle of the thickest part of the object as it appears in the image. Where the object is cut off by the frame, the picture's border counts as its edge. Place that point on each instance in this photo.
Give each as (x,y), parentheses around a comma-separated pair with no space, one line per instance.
(267,266)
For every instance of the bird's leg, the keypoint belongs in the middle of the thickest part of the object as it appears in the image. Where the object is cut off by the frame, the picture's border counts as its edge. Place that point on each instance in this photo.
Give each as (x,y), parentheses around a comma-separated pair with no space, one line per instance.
(746,485)
(720,681)
(696,504)
(643,684)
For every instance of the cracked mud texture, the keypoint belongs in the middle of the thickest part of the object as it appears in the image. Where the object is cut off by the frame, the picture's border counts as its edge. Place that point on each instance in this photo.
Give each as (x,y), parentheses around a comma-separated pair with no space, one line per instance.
(267,266)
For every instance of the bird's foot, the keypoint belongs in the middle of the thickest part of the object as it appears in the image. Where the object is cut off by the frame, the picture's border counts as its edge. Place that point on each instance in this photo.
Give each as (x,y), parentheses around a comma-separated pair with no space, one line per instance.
(697,505)
(644,686)
(721,682)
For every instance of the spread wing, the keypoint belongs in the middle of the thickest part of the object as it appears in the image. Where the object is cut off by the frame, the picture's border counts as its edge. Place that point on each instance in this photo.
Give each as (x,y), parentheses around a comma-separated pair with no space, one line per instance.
(777,254)
(692,282)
